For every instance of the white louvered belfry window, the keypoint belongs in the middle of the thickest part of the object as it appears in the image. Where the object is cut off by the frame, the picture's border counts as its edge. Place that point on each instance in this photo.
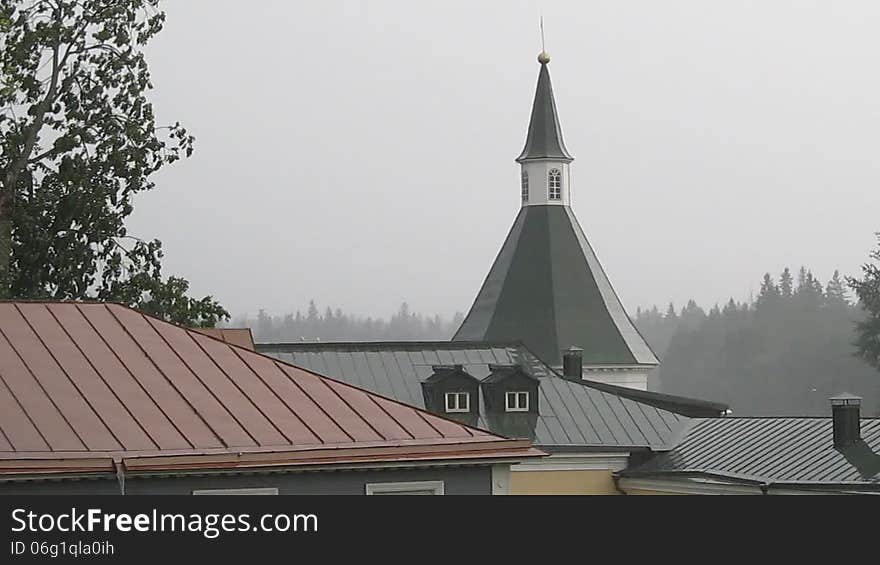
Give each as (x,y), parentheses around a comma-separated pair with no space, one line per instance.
(516,401)
(458,402)
(554,178)
(525,186)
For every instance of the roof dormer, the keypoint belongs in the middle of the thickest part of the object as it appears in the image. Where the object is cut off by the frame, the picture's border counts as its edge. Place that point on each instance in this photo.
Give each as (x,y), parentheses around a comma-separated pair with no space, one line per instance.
(453,392)
(509,389)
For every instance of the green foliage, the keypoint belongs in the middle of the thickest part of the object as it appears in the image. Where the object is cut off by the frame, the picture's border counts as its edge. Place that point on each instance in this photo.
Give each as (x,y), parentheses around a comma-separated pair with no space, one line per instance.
(781,354)
(79,140)
(868,291)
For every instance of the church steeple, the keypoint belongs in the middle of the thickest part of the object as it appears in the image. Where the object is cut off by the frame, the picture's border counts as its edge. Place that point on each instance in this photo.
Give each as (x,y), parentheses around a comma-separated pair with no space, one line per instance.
(547,288)
(544,139)
(544,161)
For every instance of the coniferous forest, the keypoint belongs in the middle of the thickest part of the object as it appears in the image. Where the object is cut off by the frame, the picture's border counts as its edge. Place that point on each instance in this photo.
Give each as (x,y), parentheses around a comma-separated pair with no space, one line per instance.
(335,325)
(783,353)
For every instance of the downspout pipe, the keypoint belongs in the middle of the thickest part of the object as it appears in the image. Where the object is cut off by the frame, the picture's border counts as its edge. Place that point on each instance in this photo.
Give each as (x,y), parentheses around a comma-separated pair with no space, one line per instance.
(120,474)
(616,480)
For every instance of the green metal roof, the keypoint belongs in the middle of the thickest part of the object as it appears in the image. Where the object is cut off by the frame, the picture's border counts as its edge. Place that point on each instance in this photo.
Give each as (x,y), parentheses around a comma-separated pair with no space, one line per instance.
(548,290)
(544,140)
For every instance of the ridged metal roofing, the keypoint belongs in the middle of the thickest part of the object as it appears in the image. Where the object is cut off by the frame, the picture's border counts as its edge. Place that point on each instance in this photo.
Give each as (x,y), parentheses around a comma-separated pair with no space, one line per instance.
(96,382)
(571,414)
(548,290)
(770,450)
(544,139)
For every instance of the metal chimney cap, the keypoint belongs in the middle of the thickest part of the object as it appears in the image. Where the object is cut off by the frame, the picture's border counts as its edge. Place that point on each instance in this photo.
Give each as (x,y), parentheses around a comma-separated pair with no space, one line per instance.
(845,399)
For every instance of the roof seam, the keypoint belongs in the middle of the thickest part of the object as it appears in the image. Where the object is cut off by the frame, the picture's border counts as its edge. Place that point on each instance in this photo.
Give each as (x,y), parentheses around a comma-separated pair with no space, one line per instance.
(354,410)
(274,393)
(20,405)
(235,384)
(131,374)
(171,383)
(102,379)
(199,379)
(40,384)
(315,402)
(69,379)
(5,437)
(387,413)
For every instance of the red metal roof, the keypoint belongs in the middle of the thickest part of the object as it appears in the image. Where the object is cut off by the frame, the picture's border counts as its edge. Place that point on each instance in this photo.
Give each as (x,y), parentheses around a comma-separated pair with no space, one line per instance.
(83,384)
(241,337)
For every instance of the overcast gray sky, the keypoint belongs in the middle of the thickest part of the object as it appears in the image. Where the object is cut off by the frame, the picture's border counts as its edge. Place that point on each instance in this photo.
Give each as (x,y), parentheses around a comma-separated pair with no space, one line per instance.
(361,153)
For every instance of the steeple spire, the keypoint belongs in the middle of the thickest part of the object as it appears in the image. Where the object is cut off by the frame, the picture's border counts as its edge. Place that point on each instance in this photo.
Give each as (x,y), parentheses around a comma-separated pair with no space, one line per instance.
(544,140)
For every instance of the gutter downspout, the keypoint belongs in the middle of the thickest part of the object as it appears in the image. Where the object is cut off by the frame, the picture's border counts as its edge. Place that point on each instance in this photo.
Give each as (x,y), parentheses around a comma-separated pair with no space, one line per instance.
(120,474)
(616,481)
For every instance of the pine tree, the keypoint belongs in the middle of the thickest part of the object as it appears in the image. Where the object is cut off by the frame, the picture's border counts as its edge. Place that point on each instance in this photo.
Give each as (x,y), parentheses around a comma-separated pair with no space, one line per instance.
(769,294)
(802,284)
(312,313)
(835,291)
(785,283)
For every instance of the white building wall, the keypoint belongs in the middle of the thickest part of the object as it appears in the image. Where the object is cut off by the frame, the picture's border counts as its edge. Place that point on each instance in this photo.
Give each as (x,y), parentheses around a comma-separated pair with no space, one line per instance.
(539,182)
(630,378)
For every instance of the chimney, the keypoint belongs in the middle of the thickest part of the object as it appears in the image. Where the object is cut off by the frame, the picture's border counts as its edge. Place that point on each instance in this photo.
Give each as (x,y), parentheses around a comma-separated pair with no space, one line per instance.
(572,363)
(845,416)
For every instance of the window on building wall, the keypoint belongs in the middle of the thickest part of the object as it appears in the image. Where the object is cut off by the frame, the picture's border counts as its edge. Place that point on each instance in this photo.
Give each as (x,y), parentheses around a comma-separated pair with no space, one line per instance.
(525,186)
(242,491)
(416,487)
(516,401)
(458,402)
(555,183)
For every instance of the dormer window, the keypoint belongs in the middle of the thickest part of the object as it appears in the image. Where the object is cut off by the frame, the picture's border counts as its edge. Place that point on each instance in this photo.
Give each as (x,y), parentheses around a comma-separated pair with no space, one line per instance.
(554,182)
(516,401)
(451,391)
(458,402)
(525,186)
(509,388)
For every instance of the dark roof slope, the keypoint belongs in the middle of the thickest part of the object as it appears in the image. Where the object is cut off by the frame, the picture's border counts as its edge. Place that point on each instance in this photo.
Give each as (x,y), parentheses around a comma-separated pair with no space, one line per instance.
(571,414)
(686,406)
(82,385)
(548,290)
(777,451)
(544,140)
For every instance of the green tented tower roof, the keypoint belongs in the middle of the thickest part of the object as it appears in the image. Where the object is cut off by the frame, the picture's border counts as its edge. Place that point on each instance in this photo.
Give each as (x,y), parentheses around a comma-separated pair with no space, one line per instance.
(546,287)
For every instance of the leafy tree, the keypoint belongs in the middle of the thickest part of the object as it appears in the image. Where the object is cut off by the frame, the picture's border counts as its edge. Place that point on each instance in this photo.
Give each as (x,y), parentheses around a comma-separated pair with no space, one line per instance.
(79,140)
(867,290)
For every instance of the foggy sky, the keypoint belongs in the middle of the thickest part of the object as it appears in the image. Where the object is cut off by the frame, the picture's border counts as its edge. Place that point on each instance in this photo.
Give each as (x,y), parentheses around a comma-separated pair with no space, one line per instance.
(361,153)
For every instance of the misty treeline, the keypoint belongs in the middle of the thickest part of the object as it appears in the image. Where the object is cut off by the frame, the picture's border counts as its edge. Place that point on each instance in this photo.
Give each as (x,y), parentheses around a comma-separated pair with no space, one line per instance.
(336,325)
(783,353)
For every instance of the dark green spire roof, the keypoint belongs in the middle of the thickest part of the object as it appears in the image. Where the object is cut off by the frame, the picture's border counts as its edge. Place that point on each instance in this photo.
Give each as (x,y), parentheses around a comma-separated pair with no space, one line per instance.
(548,290)
(544,140)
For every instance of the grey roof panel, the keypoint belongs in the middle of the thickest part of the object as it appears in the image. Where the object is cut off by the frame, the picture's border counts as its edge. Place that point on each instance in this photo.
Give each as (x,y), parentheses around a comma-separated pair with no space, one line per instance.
(570,414)
(771,450)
